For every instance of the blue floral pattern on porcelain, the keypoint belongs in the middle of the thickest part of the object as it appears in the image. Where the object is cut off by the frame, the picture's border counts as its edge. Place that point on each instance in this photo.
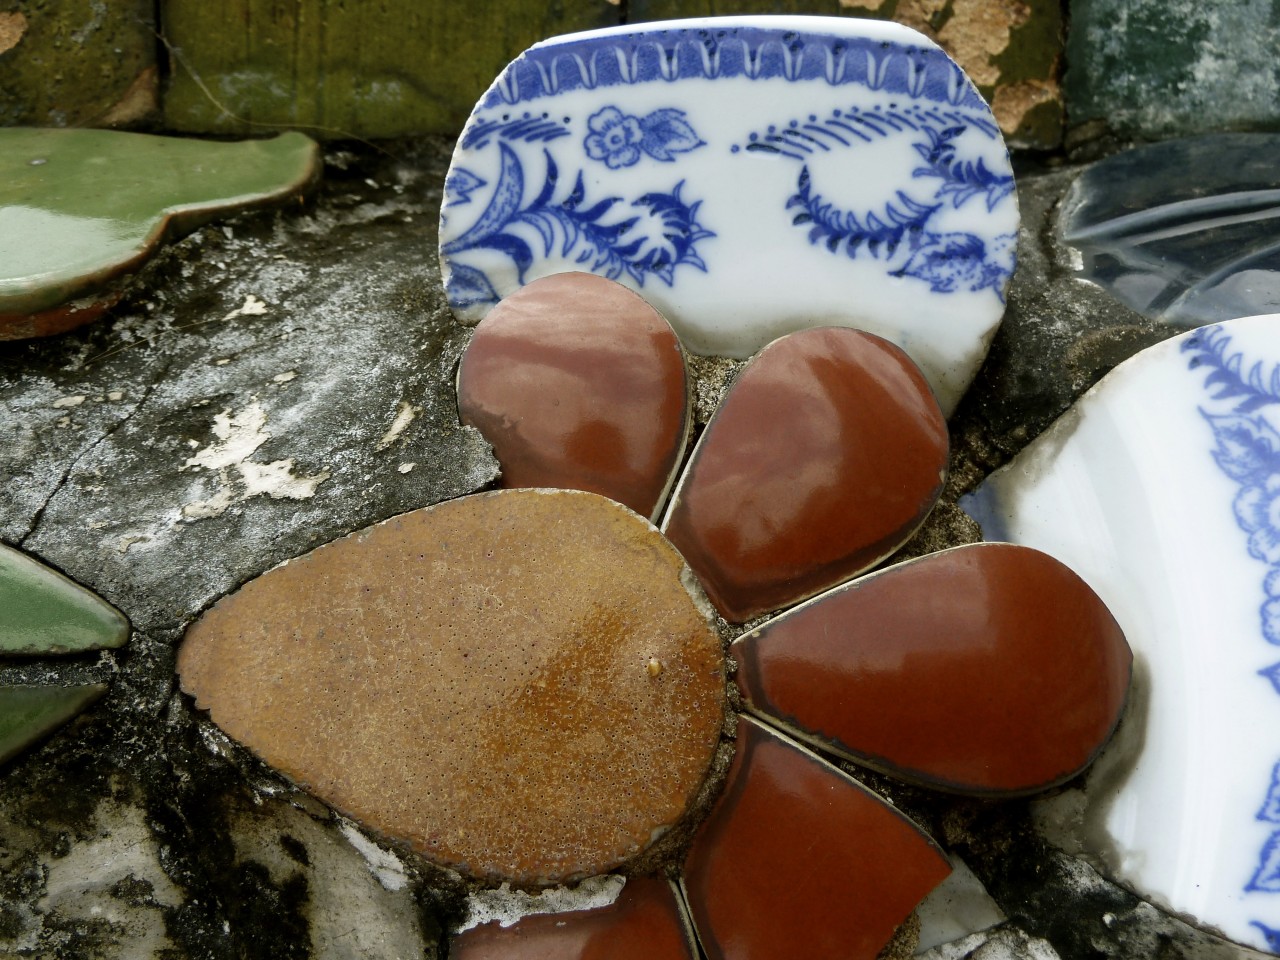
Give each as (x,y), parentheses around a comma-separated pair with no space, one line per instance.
(749,176)
(1248,451)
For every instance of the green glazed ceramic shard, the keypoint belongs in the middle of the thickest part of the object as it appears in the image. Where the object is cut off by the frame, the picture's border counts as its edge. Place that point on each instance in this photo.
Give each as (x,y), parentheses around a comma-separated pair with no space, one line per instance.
(79,208)
(41,611)
(28,713)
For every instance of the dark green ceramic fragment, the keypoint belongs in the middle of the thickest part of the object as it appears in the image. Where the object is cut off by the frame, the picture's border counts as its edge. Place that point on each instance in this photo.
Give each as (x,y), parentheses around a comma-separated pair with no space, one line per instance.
(79,208)
(41,611)
(28,713)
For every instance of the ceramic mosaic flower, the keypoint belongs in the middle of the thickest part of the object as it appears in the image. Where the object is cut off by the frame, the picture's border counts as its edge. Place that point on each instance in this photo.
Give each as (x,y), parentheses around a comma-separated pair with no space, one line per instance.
(530,685)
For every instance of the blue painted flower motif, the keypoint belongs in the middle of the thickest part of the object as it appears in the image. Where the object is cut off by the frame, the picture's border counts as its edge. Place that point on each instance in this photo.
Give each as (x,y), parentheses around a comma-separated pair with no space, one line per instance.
(614,138)
(1257,510)
(618,138)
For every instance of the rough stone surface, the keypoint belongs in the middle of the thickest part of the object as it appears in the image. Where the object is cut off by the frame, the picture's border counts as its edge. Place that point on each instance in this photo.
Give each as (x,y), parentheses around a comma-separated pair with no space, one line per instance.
(333,322)
(73,63)
(1150,68)
(342,70)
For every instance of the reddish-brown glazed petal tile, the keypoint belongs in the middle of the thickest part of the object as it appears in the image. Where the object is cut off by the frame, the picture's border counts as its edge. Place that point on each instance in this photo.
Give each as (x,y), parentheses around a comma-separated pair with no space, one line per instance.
(578,383)
(990,668)
(523,684)
(799,861)
(646,922)
(827,453)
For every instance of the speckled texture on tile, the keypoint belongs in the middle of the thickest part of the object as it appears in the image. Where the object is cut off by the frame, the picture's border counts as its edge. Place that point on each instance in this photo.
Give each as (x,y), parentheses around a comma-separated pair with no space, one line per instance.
(519,684)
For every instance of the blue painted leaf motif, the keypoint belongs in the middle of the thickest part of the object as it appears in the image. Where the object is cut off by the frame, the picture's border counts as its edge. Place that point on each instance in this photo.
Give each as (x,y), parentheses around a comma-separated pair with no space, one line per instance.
(1269,934)
(1272,673)
(1248,447)
(459,186)
(666,132)
(1266,879)
(650,237)
(1270,811)
(948,262)
(468,286)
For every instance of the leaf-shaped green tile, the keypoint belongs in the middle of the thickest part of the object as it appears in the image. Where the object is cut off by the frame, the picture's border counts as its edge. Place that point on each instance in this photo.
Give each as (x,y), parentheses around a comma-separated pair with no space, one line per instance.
(78,208)
(41,611)
(28,713)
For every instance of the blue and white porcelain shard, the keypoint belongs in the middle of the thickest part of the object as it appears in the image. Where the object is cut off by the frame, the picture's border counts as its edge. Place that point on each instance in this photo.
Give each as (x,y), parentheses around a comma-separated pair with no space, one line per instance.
(749,176)
(1182,231)
(1161,488)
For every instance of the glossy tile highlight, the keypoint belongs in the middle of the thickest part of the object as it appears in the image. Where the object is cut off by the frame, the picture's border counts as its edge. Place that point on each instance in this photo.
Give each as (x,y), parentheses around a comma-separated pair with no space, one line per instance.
(798,860)
(579,384)
(523,685)
(660,155)
(989,669)
(79,208)
(646,922)
(43,612)
(826,454)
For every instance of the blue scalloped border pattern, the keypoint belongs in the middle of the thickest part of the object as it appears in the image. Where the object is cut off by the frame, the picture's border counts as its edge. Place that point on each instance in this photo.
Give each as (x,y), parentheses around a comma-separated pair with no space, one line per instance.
(752,52)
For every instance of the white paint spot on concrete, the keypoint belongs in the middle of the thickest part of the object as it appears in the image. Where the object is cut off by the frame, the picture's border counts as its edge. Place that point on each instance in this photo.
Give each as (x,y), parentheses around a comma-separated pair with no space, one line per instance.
(383,864)
(404,416)
(506,906)
(115,395)
(239,435)
(406,467)
(286,376)
(252,307)
(67,402)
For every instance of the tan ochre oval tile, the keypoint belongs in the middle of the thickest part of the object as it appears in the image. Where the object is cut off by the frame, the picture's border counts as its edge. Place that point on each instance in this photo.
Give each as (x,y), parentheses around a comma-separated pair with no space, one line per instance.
(989,668)
(646,922)
(578,383)
(519,684)
(798,860)
(827,453)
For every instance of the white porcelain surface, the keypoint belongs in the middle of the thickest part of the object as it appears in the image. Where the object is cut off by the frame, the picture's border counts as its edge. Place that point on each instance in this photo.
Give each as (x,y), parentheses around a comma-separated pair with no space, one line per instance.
(748,176)
(1161,488)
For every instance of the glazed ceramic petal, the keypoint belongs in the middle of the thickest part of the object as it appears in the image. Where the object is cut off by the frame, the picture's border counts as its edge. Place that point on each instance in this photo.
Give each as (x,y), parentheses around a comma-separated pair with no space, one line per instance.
(79,208)
(826,454)
(444,675)
(578,383)
(750,176)
(41,611)
(646,922)
(988,668)
(798,860)
(1139,489)
(30,713)
(1184,230)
